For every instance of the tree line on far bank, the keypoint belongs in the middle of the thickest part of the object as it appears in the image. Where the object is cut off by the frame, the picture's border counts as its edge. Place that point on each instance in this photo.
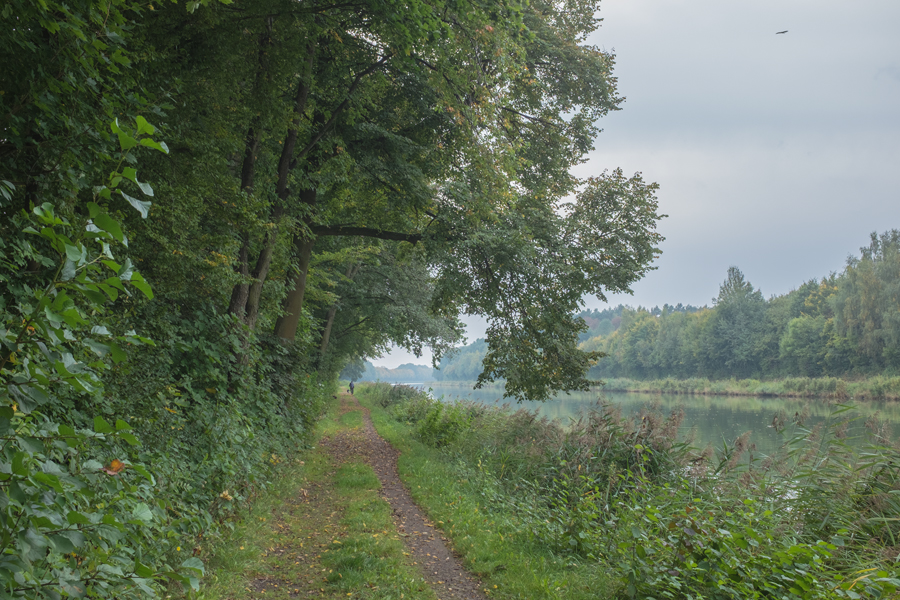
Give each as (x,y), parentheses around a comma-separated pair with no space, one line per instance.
(844,325)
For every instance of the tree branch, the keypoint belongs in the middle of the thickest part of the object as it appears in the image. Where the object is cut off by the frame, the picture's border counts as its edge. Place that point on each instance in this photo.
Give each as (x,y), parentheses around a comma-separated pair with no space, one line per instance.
(320,230)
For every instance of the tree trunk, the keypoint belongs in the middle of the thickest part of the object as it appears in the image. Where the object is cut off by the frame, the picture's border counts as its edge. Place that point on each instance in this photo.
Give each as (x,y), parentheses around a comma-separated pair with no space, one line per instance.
(326,334)
(329,320)
(285,165)
(239,294)
(261,271)
(241,291)
(286,325)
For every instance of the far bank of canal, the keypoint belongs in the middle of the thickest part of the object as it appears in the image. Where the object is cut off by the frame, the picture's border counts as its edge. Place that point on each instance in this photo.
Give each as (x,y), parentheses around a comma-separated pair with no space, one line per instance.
(707,420)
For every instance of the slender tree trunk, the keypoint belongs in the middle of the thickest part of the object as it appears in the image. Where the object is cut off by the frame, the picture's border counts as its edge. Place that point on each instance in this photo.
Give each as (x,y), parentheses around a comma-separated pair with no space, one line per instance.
(261,270)
(241,292)
(326,333)
(285,165)
(286,325)
(329,320)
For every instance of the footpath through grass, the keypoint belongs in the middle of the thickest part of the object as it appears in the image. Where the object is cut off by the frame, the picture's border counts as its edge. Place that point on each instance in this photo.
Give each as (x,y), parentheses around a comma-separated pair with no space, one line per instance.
(488,532)
(322,531)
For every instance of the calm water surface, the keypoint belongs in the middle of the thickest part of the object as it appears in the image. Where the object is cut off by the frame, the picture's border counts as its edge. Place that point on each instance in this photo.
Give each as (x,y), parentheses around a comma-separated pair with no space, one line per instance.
(708,419)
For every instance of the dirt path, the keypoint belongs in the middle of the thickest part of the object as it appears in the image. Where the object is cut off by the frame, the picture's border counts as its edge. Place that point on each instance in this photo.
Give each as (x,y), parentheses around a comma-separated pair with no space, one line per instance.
(440,567)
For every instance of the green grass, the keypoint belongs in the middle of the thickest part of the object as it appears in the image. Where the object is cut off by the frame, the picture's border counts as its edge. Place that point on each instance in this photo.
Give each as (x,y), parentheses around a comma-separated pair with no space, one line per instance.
(321,531)
(488,534)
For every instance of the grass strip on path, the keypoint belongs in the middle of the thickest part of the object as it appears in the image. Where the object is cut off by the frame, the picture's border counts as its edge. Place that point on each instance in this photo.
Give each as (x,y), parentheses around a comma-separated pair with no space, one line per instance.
(322,531)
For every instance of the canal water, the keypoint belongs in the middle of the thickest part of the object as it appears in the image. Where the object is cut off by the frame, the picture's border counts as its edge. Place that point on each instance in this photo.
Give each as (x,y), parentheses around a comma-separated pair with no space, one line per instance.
(707,419)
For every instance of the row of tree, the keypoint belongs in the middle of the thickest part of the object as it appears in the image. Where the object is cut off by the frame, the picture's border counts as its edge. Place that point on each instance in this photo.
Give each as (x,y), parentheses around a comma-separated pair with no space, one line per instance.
(208,208)
(843,325)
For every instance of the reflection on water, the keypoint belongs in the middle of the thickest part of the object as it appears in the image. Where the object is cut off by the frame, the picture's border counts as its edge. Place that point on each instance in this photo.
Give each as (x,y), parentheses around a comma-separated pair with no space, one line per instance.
(708,419)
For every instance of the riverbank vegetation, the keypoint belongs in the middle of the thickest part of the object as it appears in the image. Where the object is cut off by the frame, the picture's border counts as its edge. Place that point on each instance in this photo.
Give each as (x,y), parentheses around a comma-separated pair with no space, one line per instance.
(208,208)
(649,517)
(844,325)
(832,388)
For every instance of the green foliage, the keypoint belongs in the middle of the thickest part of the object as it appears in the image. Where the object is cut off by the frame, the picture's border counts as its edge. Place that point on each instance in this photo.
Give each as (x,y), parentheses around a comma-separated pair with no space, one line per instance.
(463,364)
(841,326)
(816,520)
(71,525)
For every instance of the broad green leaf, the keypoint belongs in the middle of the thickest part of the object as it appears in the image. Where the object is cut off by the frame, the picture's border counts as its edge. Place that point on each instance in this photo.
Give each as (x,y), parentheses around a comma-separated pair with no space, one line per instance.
(131,173)
(142,570)
(126,271)
(51,481)
(73,589)
(92,465)
(116,352)
(76,537)
(76,254)
(122,425)
(130,438)
(107,223)
(62,544)
(126,141)
(110,291)
(161,146)
(137,280)
(68,271)
(141,206)
(195,564)
(19,463)
(54,318)
(142,513)
(76,518)
(101,426)
(143,471)
(143,126)
(99,348)
(29,397)
(116,282)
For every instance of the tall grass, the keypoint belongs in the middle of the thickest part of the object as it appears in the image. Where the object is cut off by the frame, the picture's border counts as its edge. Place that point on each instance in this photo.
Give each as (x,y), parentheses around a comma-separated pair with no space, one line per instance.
(820,519)
(873,388)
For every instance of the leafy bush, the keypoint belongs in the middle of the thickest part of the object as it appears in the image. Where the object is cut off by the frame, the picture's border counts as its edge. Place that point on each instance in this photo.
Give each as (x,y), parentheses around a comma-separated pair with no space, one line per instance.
(69,524)
(817,520)
(89,508)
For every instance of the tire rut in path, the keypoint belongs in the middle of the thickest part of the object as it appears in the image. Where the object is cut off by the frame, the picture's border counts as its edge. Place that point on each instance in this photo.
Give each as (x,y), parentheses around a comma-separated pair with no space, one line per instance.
(440,567)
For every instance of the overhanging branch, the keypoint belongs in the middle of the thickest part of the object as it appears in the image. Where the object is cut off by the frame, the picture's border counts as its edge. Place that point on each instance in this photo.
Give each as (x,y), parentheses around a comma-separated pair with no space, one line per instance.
(395,236)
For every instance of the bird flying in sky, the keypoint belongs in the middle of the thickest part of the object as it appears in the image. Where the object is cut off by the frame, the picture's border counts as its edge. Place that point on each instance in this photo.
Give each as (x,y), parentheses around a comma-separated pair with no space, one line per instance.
(780,32)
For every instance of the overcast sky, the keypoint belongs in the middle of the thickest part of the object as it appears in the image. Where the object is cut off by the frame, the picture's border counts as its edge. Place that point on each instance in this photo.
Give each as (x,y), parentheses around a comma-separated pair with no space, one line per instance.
(778,154)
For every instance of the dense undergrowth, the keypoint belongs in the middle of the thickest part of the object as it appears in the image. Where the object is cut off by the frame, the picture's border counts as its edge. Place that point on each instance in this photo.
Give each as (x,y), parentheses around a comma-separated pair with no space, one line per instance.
(835,388)
(121,453)
(819,520)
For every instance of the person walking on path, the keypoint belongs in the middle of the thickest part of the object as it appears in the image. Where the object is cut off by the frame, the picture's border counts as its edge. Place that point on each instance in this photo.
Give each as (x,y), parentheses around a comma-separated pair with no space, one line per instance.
(351,388)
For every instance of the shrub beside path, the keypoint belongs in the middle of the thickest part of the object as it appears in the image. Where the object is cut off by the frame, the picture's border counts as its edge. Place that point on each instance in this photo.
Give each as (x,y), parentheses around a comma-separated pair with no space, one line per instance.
(441,568)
